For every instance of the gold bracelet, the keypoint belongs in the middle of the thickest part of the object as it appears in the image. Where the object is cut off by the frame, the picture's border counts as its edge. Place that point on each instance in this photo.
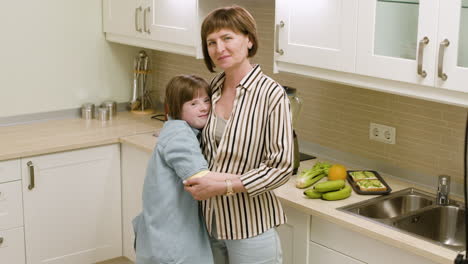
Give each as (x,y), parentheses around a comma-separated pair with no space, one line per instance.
(229,190)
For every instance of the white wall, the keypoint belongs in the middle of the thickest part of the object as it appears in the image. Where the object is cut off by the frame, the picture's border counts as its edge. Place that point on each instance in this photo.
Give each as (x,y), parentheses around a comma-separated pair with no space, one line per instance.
(53,56)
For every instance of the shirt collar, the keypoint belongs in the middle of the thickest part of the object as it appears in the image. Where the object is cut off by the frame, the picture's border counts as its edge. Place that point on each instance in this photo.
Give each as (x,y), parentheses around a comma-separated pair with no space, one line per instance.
(195,130)
(249,80)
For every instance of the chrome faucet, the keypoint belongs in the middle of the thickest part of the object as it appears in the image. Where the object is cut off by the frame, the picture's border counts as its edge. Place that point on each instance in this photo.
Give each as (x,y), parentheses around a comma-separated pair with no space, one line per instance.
(443,190)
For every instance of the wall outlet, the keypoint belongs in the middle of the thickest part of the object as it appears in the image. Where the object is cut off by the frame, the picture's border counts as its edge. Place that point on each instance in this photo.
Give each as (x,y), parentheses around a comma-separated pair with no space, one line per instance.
(382,133)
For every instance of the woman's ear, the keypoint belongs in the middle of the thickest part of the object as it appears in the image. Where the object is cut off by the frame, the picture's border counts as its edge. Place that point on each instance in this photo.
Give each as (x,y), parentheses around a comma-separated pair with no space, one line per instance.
(250,43)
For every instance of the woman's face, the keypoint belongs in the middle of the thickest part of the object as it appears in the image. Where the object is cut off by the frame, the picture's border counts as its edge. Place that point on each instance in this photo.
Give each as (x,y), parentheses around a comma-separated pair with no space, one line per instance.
(228,49)
(195,112)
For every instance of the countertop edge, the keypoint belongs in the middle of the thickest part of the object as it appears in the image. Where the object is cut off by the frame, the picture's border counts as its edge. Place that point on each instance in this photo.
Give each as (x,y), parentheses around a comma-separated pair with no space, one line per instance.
(126,140)
(55,149)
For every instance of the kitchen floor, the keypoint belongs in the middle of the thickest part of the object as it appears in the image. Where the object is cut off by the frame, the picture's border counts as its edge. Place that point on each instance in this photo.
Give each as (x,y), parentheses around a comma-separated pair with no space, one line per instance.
(121,260)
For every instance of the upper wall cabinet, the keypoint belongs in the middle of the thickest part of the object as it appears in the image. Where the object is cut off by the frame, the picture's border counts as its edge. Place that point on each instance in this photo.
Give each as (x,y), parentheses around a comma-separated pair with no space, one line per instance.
(166,25)
(174,21)
(416,41)
(319,33)
(452,43)
(416,48)
(123,17)
(391,33)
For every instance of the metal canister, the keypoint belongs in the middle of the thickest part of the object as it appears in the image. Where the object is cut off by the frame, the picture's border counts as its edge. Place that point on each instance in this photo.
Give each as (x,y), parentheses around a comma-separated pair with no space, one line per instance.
(111,107)
(87,111)
(102,114)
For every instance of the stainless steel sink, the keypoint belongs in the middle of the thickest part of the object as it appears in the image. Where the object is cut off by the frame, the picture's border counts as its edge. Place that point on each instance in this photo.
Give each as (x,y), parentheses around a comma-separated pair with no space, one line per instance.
(444,224)
(392,205)
(415,211)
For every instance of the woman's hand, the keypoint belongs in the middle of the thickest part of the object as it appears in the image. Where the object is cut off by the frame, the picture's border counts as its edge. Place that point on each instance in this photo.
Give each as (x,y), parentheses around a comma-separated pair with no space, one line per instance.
(208,186)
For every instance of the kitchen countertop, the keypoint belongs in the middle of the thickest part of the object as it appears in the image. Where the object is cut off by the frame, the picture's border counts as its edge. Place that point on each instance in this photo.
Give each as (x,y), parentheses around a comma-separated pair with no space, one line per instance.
(293,197)
(62,135)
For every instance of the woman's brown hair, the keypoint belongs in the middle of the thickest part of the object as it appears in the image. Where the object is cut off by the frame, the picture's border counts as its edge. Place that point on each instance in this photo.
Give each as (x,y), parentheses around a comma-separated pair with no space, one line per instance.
(235,18)
(181,89)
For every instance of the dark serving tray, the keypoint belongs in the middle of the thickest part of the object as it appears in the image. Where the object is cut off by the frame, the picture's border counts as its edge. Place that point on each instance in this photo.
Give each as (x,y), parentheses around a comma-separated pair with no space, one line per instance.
(357,190)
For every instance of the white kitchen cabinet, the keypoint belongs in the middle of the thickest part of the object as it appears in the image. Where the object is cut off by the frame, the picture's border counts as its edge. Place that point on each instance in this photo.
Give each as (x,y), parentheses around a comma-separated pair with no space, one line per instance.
(11,201)
(11,205)
(357,246)
(311,239)
(453,26)
(171,26)
(72,206)
(174,21)
(392,35)
(123,17)
(134,163)
(321,254)
(12,246)
(320,33)
(389,33)
(10,170)
(391,46)
(294,236)
(11,213)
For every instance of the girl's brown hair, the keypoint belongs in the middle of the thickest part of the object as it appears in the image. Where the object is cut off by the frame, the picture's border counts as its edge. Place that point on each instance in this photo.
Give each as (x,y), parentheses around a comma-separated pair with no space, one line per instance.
(181,89)
(235,18)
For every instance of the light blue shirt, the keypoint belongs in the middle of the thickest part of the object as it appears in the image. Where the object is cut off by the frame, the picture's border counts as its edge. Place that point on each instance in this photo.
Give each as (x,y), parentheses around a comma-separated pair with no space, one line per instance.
(170,229)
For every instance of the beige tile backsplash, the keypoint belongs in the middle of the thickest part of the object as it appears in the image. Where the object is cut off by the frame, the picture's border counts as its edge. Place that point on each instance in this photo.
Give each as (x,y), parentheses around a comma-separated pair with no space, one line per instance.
(429,137)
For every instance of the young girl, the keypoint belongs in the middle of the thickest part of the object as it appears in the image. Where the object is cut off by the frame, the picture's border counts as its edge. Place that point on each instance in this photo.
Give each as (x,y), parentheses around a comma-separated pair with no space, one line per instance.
(170,229)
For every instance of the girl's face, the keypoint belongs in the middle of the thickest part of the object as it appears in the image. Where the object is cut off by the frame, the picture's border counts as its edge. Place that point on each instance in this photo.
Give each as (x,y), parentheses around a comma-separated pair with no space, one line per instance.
(195,112)
(228,49)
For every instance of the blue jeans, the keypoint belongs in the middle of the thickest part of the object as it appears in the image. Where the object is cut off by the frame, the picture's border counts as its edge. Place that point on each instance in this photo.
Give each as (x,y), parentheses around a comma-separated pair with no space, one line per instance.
(262,249)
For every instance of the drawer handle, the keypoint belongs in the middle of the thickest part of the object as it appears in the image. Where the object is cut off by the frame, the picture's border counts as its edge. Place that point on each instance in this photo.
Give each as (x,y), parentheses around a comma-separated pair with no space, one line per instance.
(440,67)
(423,42)
(278,27)
(31,175)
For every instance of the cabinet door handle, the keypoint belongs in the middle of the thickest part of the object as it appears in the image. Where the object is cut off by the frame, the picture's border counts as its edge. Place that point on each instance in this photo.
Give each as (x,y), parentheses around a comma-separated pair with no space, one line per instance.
(146,28)
(422,43)
(278,27)
(440,66)
(31,175)
(1,240)
(137,25)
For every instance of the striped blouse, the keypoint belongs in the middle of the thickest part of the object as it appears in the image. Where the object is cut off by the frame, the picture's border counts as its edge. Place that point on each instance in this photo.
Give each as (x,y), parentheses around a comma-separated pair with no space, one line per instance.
(256,144)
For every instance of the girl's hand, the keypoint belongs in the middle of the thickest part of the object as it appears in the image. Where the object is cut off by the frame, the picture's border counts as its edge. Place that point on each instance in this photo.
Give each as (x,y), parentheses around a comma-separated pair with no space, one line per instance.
(208,186)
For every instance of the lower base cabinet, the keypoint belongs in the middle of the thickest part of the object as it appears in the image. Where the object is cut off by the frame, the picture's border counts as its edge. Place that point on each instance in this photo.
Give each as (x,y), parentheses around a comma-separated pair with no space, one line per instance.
(72,206)
(12,246)
(134,163)
(308,239)
(294,236)
(321,254)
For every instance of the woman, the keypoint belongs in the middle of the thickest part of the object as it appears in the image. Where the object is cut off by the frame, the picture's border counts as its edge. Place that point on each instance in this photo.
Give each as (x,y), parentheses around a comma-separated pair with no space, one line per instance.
(247,141)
